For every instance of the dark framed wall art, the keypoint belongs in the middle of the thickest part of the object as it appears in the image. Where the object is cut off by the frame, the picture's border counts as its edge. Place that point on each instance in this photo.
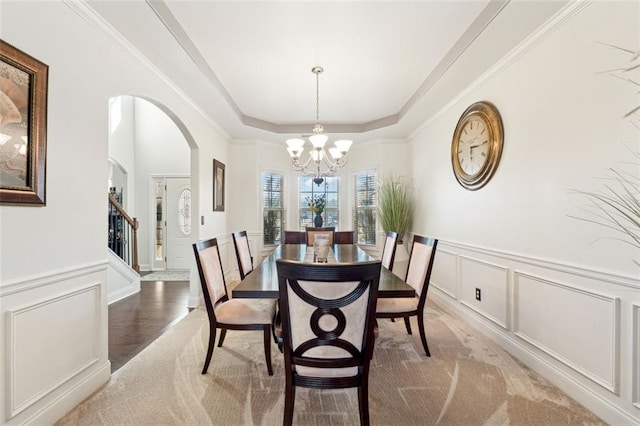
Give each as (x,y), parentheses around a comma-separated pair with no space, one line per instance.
(23,127)
(218,186)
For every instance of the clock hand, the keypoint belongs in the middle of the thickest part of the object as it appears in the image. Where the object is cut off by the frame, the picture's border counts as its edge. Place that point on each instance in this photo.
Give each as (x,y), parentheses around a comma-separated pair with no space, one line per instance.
(481,143)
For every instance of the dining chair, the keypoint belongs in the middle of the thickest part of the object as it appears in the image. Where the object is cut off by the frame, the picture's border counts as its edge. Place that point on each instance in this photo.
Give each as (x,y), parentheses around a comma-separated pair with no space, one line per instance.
(328,319)
(225,313)
(344,237)
(312,232)
(423,253)
(243,253)
(295,237)
(389,250)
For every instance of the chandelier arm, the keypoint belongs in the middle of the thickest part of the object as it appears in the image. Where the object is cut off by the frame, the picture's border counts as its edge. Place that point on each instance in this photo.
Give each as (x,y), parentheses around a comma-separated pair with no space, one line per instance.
(330,164)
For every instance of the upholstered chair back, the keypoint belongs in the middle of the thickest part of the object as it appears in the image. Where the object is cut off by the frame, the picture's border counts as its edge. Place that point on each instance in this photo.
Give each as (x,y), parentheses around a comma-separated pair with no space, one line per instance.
(389,250)
(210,269)
(313,232)
(328,313)
(420,262)
(243,253)
(295,237)
(344,237)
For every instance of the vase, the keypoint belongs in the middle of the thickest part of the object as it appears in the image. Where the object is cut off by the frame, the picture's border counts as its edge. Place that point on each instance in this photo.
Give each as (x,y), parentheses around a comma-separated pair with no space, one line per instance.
(317,221)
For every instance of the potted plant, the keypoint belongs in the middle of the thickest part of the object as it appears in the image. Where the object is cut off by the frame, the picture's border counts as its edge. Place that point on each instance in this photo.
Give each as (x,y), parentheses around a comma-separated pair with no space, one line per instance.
(395,209)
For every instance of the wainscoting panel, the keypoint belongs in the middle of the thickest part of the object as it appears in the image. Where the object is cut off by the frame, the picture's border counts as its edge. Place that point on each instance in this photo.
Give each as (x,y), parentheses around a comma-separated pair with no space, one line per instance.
(39,338)
(553,317)
(493,282)
(443,276)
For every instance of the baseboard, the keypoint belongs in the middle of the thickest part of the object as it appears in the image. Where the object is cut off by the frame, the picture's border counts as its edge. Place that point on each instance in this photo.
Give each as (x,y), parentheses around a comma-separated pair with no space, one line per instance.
(67,401)
(193,303)
(122,294)
(604,408)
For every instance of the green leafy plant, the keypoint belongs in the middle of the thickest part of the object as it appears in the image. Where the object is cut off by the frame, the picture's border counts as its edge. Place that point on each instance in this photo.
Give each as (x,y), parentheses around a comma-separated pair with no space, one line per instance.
(395,205)
(617,205)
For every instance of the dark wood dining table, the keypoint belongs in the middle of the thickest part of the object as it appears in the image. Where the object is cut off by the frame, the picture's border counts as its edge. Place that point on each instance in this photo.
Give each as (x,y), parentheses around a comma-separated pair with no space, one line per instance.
(263,281)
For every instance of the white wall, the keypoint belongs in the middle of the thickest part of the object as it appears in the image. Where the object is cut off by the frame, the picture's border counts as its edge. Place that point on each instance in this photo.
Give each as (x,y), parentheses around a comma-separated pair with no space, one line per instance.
(53,277)
(554,292)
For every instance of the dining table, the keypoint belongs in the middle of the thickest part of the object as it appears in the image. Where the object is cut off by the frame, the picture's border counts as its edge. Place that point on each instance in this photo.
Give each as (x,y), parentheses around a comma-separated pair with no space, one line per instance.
(262,282)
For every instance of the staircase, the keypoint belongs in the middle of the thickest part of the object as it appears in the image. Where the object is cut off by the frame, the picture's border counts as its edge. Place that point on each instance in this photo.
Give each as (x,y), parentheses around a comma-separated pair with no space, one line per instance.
(123,233)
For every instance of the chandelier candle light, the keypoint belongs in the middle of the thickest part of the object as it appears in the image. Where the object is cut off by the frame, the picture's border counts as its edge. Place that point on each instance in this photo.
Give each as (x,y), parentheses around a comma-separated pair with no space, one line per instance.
(318,156)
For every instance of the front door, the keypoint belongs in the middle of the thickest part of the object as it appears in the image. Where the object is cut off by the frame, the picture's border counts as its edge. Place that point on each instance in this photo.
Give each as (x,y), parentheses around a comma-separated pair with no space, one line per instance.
(178,223)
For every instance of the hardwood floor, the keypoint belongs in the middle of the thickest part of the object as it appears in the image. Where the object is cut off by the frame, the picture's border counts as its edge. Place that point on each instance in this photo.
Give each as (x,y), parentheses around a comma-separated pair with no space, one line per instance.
(139,319)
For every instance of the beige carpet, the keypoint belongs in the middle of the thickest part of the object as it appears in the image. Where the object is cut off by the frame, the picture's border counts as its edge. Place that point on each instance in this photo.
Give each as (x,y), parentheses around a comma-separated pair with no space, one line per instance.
(467,381)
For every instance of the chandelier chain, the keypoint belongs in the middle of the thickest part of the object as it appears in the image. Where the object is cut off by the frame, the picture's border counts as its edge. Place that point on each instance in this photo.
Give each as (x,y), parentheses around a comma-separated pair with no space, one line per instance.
(318,128)
(318,97)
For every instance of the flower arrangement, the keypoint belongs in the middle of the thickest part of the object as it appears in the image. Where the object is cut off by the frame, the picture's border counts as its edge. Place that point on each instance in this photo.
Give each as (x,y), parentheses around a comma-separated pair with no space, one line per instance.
(316,203)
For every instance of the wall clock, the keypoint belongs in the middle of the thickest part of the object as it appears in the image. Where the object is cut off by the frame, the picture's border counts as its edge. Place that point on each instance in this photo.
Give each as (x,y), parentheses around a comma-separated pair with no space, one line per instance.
(477,145)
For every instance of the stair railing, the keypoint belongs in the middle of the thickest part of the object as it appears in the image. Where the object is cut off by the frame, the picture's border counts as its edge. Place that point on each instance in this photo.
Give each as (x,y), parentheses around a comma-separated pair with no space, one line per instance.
(123,234)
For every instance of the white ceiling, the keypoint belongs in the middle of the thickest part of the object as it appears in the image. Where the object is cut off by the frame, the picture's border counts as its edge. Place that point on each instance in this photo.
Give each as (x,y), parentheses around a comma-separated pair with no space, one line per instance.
(388,65)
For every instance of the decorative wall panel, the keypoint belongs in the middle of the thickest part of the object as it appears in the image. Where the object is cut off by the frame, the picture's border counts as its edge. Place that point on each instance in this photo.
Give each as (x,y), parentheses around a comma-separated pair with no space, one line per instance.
(39,336)
(443,276)
(492,282)
(553,317)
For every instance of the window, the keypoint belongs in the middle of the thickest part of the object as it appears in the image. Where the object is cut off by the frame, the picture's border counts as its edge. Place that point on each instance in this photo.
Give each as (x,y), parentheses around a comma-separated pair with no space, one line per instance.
(364,210)
(273,207)
(184,212)
(308,190)
(159,219)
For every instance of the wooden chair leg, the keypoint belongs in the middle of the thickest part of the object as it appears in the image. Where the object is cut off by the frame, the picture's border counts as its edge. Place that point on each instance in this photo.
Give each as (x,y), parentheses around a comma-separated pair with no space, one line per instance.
(267,348)
(289,401)
(363,402)
(212,340)
(223,334)
(423,336)
(407,324)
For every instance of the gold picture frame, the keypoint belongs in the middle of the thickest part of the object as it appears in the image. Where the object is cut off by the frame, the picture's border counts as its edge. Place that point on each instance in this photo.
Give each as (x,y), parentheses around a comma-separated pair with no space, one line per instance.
(218,186)
(23,127)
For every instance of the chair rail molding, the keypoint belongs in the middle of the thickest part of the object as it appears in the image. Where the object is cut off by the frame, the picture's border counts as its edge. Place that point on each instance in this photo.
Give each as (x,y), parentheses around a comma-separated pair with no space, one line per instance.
(41,280)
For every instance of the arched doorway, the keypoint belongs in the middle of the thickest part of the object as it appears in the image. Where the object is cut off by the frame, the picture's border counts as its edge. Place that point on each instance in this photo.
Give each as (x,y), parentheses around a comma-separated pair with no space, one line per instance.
(153,151)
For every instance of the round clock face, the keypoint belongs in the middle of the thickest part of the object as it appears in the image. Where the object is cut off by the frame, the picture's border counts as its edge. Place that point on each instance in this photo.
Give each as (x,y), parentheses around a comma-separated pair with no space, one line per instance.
(477,145)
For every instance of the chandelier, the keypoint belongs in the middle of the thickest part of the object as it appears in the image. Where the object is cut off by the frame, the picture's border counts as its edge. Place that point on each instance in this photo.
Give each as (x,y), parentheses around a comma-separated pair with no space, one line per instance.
(318,164)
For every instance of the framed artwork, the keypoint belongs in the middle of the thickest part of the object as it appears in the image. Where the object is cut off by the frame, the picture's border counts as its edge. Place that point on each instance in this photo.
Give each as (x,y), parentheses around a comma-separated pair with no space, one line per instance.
(218,186)
(23,127)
